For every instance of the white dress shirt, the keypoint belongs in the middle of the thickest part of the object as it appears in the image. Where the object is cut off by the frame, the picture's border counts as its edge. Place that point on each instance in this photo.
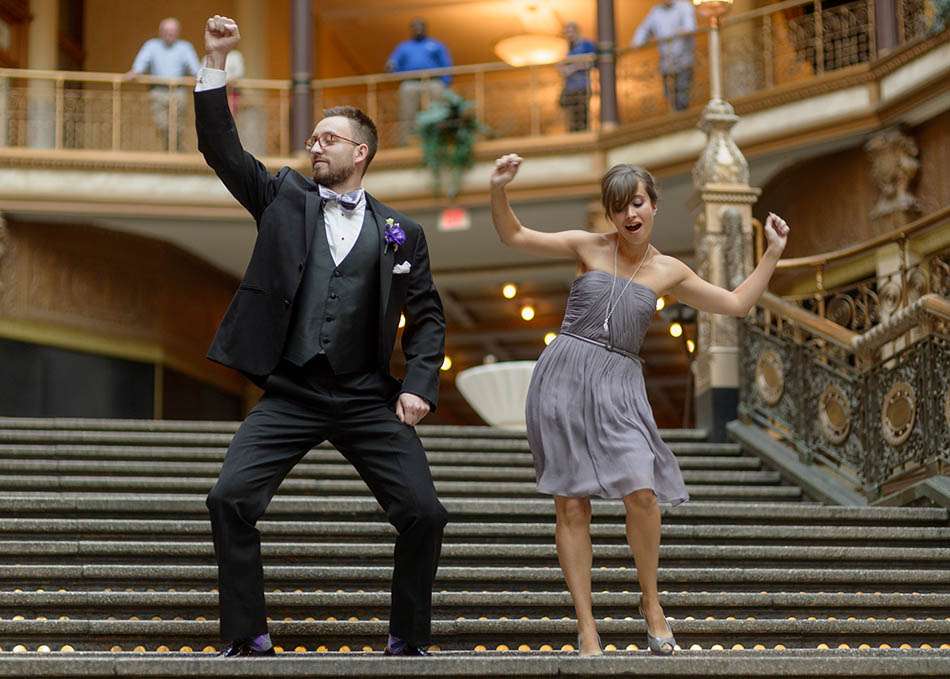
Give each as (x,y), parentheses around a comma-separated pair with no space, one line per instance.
(343,226)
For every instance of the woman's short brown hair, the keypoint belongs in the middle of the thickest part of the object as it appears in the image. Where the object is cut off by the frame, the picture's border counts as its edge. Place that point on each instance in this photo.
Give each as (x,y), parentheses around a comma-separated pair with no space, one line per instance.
(619,186)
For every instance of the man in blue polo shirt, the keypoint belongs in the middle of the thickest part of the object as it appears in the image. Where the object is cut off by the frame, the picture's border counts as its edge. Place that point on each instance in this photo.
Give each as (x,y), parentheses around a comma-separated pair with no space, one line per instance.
(575,96)
(419,53)
(168,57)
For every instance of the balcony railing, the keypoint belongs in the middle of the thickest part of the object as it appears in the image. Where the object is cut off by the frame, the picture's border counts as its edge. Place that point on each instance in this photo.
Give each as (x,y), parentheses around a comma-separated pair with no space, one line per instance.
(785,43)
(858,377)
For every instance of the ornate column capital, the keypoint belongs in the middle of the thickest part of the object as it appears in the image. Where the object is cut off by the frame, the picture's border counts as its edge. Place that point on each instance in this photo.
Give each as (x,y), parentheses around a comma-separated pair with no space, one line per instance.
(721,161)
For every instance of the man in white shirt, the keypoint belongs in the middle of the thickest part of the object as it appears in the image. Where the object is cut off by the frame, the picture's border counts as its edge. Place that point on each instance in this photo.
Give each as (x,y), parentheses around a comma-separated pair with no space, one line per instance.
(169,57)
(672,24)
(313,323)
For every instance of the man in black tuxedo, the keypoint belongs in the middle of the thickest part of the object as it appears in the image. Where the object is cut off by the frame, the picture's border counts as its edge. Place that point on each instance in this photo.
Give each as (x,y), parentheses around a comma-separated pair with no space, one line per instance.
(314,323)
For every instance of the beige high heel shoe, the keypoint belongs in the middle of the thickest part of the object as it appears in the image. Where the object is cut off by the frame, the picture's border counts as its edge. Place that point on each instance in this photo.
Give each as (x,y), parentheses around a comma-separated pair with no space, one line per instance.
(600,648)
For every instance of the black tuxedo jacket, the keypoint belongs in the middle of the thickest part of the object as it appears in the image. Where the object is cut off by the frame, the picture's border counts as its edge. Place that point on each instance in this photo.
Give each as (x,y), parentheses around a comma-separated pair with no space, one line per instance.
(285,207)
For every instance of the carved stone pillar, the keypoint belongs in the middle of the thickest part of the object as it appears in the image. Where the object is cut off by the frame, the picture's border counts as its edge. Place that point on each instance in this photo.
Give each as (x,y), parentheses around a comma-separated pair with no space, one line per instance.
(722,239)
(894,165)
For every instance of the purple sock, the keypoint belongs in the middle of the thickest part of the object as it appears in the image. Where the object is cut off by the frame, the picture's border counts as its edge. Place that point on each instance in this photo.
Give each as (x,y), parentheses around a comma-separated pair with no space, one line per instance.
(395,643)
(261,642)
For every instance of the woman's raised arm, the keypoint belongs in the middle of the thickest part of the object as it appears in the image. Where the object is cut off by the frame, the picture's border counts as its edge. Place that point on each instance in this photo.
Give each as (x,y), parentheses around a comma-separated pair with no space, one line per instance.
(513,233)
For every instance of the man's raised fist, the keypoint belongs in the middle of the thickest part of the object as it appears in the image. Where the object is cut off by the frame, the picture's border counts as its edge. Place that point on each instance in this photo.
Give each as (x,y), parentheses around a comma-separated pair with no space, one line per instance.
(221,34)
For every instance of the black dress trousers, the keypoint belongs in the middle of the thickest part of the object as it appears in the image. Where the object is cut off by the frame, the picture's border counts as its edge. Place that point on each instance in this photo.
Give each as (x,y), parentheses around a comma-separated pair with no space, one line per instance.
(300,408)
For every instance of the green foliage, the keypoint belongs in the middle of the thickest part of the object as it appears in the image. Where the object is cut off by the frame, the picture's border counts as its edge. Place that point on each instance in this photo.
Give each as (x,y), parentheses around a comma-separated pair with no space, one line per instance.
(941,15)
(448,129)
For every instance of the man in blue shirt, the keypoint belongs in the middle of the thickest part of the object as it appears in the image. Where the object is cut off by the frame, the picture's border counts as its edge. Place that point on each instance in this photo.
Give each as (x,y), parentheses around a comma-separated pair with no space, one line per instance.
(169,57)
(575,95)
(418,53)
(672,24)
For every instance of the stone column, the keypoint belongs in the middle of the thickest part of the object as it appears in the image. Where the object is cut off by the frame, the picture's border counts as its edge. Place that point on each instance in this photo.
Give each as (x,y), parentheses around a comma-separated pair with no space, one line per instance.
(43,51)
(894,165)
(301,64)
(722,240)
(607,63)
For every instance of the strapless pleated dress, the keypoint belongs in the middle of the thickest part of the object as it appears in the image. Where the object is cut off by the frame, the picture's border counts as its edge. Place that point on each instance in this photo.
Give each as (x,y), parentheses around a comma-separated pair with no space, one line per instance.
(590,425)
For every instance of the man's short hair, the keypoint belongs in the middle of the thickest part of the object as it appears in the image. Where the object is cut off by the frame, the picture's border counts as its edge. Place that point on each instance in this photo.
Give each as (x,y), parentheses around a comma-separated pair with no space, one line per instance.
(363,126)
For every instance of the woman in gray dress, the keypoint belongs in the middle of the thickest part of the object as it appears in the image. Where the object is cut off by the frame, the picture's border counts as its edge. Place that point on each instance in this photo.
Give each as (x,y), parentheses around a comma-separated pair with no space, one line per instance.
(590,426)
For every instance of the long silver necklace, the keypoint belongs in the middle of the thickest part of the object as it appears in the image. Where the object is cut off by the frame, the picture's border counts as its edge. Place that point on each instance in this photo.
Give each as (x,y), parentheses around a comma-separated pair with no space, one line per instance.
(611,304)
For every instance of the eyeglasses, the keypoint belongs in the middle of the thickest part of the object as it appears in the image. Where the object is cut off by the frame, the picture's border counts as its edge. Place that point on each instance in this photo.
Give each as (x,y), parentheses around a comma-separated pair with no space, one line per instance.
(325,139)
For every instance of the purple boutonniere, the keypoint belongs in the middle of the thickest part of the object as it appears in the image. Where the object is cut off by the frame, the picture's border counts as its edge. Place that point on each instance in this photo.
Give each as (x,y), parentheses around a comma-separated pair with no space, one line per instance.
(393,234)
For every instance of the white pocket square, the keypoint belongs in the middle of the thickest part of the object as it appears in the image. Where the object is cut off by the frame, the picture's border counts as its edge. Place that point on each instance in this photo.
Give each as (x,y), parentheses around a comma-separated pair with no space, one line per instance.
(401,268)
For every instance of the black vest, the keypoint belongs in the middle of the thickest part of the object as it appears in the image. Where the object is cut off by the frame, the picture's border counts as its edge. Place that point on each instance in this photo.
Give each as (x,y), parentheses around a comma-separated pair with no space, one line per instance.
(336,309)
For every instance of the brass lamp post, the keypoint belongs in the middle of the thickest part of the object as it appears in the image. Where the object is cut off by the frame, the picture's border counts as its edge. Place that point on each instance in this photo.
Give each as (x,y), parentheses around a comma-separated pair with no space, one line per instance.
(713,10)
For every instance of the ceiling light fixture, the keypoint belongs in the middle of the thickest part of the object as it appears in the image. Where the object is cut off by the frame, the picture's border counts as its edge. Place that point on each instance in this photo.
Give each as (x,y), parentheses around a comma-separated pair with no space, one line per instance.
(531,49)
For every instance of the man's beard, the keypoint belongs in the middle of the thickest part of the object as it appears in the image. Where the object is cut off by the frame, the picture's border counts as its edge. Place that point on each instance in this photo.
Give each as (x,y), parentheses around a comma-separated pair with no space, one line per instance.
(332,176)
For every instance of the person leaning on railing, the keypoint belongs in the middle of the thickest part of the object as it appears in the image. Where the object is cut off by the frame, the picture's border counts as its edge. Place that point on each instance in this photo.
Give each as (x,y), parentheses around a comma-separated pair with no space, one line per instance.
(419,53)
(575,95)
(169,57)
(672,24)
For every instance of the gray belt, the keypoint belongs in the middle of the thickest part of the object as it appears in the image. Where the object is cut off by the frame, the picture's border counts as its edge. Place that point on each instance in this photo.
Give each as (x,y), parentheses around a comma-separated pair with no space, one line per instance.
(604,345)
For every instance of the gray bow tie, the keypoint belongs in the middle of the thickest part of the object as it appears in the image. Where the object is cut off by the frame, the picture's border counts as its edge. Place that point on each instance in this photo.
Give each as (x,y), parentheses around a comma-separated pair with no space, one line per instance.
(348,201)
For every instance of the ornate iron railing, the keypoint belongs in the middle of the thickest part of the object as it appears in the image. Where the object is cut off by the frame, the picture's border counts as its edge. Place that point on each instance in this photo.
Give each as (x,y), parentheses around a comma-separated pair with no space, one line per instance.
(858,377)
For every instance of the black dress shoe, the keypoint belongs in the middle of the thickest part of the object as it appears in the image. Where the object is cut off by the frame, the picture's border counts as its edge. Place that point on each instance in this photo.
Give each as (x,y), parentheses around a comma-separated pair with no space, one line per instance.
(243,649)
(406,650)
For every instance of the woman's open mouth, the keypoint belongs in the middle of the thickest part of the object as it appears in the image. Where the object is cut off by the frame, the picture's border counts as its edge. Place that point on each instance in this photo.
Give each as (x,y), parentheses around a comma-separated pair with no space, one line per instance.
(632,228)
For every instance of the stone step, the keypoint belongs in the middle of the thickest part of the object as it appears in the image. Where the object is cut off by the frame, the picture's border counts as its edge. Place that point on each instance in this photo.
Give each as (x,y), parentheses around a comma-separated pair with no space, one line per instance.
(703,488)
(77,505)
(230,426)
(460,553)
(205,440)
(464,633)
(523,533)
(209,470)
(818,579)
(166,438)
(820,664)
(689,455)
(449,605)
(345,488)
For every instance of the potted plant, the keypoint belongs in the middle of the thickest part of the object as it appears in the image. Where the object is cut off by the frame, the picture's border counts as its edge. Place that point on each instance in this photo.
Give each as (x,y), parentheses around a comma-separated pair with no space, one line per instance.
(448,129)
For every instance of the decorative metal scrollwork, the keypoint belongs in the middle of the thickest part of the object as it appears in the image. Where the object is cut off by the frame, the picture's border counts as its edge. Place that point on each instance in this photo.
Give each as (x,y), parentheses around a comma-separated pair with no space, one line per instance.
(834,414)
(770,377)
(898,412)
(841,310)
(890,296)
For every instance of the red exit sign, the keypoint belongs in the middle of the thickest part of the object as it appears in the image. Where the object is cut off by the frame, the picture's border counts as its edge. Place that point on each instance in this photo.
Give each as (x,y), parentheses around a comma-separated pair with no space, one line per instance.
(454,219)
